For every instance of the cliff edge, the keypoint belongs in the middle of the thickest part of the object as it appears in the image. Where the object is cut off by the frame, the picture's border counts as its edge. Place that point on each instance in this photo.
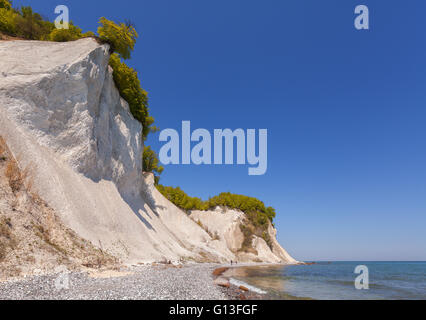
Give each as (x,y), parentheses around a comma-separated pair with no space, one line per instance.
(62,116)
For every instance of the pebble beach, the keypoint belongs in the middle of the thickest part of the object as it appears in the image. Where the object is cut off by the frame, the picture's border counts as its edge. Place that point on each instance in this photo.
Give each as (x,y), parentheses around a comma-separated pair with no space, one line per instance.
(144,282)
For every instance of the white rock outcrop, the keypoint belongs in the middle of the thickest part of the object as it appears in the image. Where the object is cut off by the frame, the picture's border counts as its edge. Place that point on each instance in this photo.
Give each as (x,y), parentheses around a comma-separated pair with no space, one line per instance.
(62,115)
(225,223)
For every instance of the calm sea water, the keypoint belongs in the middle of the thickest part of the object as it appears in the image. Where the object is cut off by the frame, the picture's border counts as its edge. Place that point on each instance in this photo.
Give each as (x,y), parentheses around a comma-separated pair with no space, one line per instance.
(335,280)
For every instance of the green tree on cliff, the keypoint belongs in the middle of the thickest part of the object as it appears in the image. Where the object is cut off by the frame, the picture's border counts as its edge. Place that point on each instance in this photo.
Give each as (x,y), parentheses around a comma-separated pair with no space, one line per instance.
(127,81)
(5,4)
(151,163)
(30,25)
(7,18)
(121,37)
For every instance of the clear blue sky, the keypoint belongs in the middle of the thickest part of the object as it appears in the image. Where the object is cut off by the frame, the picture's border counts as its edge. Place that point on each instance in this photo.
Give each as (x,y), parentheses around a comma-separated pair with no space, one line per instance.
(345,110)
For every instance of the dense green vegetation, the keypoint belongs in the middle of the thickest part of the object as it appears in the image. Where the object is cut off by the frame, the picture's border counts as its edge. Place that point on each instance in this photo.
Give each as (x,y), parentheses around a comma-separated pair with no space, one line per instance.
(121,37)
(258,216)
(127,82)
(151,163)
(23,22)
(5,4)
(181,199)
(71,34)
(249,205)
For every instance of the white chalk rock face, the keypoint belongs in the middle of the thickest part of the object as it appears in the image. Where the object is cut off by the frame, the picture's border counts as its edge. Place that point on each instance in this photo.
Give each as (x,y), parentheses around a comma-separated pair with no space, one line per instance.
(62,115)
(225,223)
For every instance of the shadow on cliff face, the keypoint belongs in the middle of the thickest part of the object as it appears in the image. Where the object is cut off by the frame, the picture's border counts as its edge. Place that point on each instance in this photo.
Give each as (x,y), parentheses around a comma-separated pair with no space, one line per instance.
(146,193)
(139,209)
(135,200)
(138,203)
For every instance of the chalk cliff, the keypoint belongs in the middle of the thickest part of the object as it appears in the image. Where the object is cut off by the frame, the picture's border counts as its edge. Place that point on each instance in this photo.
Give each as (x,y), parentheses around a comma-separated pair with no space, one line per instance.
(62,115)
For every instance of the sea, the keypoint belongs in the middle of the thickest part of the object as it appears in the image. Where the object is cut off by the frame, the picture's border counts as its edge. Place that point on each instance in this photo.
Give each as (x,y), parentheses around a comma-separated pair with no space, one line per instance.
(336,280)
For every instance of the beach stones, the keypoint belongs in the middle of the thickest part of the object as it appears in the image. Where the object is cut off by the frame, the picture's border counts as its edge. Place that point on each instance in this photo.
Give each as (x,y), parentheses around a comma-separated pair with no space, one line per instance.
(222,282)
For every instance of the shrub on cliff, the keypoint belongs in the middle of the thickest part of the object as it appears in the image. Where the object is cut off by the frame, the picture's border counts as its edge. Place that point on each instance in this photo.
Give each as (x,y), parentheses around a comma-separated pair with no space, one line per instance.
(8,21)
(255,210)
(5,4)
(179,198)
(64,35)
(151,163)
(245,204)
(30,25)
(121,37)
(127,81)
(257,216)
(23,22)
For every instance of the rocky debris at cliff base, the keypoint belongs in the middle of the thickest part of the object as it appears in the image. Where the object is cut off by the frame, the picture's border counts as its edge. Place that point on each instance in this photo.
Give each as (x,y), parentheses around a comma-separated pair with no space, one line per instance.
(222,282)
(33,240)
(235,293)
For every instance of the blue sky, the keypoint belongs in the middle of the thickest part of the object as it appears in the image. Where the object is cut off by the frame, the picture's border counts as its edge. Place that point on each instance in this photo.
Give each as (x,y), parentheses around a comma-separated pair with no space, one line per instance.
(345,110)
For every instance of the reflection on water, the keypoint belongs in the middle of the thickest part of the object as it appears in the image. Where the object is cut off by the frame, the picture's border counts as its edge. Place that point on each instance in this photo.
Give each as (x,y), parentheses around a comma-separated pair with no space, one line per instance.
(269,277)
(335,281)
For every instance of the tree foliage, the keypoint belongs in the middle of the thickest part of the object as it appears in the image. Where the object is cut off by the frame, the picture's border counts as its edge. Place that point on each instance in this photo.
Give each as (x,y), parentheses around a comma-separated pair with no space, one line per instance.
(121,37)
(244,203)
(5,4)
(178,197)
(23,22)
(258,217)
(127,81)
(151,163)
(255,210)
(8,21)
(30,25)
(65,35)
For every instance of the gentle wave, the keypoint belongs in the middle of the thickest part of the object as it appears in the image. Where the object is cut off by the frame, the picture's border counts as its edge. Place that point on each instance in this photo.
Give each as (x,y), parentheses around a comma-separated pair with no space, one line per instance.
(336,280)
(371,285)
(238,283)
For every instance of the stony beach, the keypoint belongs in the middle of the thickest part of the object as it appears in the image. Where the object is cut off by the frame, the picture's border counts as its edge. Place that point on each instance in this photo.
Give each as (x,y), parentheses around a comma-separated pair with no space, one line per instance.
(144,282)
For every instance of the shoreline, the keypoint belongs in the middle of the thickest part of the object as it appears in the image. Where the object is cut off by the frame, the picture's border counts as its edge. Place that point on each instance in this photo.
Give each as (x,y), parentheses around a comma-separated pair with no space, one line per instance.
(239,290)
(190,281)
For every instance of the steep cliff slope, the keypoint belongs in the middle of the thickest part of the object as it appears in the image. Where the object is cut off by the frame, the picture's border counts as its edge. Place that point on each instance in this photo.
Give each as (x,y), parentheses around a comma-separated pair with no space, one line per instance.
(32,237)
(62,114)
